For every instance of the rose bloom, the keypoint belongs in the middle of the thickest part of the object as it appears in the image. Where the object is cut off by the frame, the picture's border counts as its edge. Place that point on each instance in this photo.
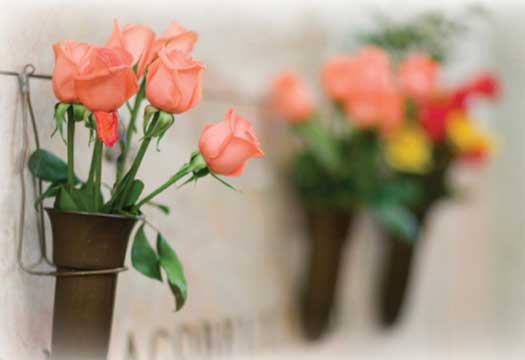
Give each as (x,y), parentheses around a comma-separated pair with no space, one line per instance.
(138,40)
(174,81)
(68,55)
(106,80)
(176,37)
(226,146)
(336,77)
(418,75)
(372,99)
(291,98)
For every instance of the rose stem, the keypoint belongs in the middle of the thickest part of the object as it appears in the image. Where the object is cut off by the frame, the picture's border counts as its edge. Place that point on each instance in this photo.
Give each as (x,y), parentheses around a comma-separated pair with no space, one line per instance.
(121,162)
(183,171)
(122,190)
(70,147)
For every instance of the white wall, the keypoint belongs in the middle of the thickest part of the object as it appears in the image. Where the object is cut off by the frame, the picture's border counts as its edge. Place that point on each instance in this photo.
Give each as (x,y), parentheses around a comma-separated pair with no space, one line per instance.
(242,252)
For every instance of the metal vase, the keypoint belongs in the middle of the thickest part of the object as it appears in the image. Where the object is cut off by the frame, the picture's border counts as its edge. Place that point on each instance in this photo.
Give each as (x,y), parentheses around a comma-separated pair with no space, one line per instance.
(397,272)
(83,308)
(328,230)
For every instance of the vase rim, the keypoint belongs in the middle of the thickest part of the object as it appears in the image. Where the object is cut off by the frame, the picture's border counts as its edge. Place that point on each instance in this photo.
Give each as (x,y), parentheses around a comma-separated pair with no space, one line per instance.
(96,214)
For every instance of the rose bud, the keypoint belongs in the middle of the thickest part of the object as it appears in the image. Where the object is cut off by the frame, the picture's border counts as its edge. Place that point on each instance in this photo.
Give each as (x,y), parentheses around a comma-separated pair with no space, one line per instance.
(418,75)
(176,37)
(138,40)
(291,98)
(68,55)
(107,127)
(174,81)
(106,80)
(226,146)
(336,77)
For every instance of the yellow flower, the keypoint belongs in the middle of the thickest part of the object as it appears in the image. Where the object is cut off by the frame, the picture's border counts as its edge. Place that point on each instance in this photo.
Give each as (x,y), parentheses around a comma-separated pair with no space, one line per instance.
(466,137)
(409,150)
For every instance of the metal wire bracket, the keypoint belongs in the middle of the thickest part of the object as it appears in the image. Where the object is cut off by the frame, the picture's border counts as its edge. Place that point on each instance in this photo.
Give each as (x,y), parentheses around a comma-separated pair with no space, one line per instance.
(27,108)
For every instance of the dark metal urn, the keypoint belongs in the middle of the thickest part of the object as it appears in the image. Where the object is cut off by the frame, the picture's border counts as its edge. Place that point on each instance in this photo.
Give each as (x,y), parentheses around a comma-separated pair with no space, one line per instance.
(83,309)
(396,275)
(328,230)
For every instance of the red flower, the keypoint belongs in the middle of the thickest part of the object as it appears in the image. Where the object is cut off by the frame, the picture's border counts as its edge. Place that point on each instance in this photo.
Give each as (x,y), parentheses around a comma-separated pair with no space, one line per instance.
(107,127)
(434,112)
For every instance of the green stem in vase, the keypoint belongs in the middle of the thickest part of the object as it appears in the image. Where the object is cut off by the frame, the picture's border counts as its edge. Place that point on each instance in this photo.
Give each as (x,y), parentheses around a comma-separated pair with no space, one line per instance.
(323,144)
(70,147)
(183,171)
(123,187)
(126,145)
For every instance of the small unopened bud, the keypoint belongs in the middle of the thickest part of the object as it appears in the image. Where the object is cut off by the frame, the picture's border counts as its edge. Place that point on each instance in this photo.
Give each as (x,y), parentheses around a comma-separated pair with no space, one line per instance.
(149,112)
(164,122)
(198,165)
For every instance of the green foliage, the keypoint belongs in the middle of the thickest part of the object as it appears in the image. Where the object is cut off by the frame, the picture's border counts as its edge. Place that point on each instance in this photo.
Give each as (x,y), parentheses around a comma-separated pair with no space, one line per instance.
(46,166)
(431,32)
(143,257)
(174,272)
(148,262)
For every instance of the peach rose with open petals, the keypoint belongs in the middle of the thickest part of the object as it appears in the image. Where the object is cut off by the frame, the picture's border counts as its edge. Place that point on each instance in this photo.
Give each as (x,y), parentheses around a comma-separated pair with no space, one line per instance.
(177,37)
(68,55)
(418,75)
(138,40)
(106,79)
(291,98)
(336,77)
(226,146)
(174,81)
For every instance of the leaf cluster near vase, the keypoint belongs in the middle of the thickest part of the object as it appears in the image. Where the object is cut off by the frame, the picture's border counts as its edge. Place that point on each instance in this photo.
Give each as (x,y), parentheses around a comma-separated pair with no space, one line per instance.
(136,72)
(386,145)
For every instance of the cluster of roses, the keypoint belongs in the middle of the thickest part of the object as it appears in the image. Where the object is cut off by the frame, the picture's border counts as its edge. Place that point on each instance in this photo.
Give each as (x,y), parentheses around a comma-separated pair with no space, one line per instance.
(404,103)
(135,61)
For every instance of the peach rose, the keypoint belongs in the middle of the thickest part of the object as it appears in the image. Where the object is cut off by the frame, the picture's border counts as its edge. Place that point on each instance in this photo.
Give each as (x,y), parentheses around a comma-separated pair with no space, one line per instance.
(226,146)
(291,98)
(177,37)
(138,40)
(106,80)
(68,55)
(336,77)
(373,99)
(418,75)
(174,81)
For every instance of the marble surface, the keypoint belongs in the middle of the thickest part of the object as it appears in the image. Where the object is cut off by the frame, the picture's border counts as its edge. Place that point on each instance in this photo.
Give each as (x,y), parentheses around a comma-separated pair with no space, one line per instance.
(242,252)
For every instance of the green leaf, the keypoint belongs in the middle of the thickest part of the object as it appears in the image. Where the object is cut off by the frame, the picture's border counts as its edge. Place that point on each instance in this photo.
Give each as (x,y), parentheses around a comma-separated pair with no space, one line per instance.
(399,221)
(162,207)
(135,190)
(51,191)
(47,167)
(64,201)
(172,266)
(143,257)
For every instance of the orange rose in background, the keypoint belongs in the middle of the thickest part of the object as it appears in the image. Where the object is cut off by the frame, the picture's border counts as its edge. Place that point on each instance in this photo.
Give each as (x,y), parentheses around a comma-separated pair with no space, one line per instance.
(291,98)
(174,81)
(138,40)
(418,75)
(176,37)
(106,80)
(337,77)
(68,55)
(373,98)
(226,146)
